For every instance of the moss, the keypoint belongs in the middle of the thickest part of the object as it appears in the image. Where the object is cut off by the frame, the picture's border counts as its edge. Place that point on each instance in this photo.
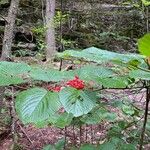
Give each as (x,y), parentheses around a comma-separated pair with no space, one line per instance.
(2,29)
(4,2)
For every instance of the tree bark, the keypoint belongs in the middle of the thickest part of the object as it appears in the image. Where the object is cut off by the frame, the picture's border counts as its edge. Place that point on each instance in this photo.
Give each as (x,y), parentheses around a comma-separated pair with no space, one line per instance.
(50,33)
(9,27)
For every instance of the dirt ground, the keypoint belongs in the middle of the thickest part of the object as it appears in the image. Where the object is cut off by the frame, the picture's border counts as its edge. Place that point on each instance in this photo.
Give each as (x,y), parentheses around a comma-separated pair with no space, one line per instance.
(31,138)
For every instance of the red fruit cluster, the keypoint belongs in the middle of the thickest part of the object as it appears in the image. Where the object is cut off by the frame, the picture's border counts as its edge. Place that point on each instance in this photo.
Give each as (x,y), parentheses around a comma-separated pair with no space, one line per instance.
(76,83)
(54,89)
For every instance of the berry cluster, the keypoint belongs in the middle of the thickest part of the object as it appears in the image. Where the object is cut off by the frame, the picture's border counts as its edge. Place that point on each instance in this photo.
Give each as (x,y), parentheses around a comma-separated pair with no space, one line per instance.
(76,83)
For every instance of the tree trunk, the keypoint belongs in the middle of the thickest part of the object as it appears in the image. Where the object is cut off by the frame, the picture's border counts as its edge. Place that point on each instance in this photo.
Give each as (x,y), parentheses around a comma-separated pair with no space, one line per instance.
(6,51)
(50,33)
(9,27)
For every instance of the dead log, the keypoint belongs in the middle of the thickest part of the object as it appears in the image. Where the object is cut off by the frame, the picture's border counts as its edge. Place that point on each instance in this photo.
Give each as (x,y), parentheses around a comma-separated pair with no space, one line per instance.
(26,46)
(29,46)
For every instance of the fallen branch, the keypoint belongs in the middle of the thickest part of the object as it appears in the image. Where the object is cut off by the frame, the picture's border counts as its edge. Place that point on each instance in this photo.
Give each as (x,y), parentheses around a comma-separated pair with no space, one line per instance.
(23,131)
(30,46)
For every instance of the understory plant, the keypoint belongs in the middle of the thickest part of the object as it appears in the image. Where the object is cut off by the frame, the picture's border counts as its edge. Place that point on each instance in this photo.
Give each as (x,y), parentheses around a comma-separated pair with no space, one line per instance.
(81,96)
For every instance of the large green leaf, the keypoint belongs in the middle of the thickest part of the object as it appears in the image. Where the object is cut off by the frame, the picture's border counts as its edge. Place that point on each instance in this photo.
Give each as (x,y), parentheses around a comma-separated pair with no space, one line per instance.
(13,73)
(58,146)
(98,115)
(63,120)
(144,44)
(129,110)
(14,68)
(7,79)
(127,147)
(92,72)
(114,82)
(36,105)
(98,55)
(107,146)
(46,75)
(49,147)
(105,55)
(140,74)
(116,143)
(88,147)
(77,102)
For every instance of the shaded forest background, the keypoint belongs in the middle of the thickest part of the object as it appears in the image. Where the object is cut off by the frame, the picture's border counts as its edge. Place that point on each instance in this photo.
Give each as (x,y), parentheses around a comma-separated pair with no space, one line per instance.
(104,24)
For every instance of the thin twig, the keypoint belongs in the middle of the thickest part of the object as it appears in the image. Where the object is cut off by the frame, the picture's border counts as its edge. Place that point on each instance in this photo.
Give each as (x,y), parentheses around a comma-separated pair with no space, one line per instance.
(74,136)
(126,88)
(65,138)
(61,63)
(21,128)
(145,118)
(91,134)
(13,119)
(80,135)
(20,87)
(86,130)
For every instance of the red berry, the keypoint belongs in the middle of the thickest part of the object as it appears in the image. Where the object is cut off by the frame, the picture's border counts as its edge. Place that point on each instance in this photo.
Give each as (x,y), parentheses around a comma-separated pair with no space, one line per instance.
(76,83)
(54,89)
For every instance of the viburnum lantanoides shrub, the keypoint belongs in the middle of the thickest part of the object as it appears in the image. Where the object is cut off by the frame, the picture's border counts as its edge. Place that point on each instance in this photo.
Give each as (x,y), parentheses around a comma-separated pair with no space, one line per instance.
(76,95)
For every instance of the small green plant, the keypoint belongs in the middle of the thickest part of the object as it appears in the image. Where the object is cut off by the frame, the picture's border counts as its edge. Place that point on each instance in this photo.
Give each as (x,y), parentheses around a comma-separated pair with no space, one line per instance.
(146,2)
(39,33)
(60,18)
(23,53)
